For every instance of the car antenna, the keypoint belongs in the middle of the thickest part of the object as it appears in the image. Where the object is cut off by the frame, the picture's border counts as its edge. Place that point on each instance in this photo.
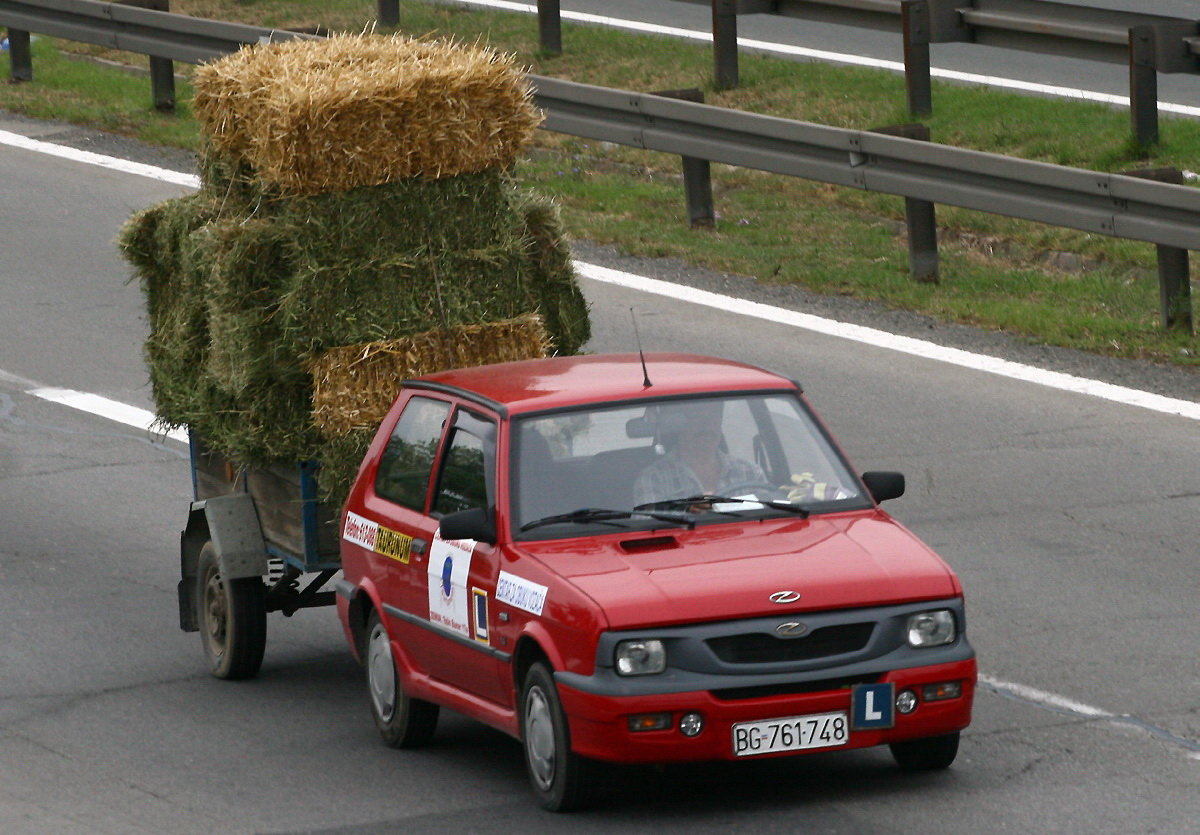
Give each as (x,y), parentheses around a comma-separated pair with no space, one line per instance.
(645,374)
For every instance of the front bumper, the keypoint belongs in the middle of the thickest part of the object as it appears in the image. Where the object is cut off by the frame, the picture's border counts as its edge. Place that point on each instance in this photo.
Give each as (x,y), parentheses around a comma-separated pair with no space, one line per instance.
(600,723)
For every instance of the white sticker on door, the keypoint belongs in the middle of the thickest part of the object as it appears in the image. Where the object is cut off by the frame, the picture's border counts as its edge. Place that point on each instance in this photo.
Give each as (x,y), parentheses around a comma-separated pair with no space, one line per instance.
(449,567)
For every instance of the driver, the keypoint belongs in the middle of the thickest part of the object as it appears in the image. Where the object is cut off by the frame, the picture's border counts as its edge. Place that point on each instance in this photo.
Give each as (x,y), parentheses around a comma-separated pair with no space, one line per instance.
(694,464)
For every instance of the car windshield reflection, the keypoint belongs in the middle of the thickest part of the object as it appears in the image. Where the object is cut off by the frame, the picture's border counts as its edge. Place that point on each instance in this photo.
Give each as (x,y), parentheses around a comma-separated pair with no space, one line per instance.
(655,463)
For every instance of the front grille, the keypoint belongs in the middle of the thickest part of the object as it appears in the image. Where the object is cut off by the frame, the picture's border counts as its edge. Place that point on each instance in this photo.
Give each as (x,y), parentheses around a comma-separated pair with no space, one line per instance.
(763,648)
(791,688)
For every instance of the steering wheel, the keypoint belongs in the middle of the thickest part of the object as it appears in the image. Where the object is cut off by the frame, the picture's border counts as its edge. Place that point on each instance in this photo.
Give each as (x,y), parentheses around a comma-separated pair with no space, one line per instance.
(755,488)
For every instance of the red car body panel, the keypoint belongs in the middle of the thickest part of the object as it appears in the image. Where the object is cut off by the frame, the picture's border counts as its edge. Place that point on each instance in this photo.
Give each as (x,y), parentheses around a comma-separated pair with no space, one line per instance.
(719,572)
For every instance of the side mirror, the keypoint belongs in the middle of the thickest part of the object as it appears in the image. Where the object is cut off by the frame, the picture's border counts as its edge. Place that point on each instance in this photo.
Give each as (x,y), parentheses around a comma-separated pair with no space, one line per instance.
(884,486)
(476,523)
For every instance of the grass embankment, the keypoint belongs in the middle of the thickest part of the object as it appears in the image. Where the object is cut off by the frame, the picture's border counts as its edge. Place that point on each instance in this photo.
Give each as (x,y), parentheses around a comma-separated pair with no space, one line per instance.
(995,272)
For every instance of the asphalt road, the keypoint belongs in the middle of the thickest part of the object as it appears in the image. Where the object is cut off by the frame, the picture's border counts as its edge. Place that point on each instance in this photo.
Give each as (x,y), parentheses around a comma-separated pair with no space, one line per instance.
(1071,520)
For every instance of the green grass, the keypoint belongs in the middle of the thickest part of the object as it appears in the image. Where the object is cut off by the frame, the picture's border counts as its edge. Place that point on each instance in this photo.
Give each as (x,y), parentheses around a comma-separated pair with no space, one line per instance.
(994,271)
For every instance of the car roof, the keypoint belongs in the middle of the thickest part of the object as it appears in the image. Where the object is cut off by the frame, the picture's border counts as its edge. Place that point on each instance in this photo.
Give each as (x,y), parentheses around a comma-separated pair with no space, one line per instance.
(560,382)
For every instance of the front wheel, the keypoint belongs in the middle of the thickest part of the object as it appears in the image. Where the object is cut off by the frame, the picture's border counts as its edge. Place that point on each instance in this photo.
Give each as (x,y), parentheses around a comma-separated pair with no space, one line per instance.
(932,754)
(233,618)
(403,722)
(558,775)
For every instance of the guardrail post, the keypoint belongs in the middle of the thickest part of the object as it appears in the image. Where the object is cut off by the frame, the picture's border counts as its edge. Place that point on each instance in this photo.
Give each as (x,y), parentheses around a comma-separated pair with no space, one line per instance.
(697,174)
(914,22)
(1143,85)
(550,26)
(919,217)
(20,59)
(162,70)
(725,47)
(388,12)
(1174,282)
(1175,289)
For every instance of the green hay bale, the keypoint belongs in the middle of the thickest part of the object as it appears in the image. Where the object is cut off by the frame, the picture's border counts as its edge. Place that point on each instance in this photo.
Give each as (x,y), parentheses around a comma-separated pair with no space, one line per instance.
(339,458)
(166,245)
(552,280)
(245,287)
(230,179)
(462,212)
(251,266)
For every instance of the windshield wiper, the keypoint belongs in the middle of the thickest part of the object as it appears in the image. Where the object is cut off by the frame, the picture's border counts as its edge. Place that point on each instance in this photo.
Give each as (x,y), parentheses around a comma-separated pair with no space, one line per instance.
(709,498)
(606,516)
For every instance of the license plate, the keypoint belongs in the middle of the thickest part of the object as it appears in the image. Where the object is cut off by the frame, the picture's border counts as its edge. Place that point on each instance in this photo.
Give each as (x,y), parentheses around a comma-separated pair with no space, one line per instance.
(793,733)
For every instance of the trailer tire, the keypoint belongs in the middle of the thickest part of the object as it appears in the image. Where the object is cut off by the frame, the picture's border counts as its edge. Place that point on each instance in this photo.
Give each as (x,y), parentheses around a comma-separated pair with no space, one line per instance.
(403,722)
(232,616)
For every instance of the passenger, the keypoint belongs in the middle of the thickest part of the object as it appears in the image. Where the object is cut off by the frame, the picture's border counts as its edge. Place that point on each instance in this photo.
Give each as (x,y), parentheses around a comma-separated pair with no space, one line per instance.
(694,463)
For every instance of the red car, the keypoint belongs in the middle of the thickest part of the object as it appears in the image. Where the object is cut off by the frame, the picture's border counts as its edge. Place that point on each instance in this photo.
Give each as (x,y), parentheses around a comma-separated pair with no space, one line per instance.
(642,560)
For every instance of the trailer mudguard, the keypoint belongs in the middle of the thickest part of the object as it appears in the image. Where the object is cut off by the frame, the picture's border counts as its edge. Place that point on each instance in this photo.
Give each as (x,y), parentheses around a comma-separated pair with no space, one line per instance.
(231,524)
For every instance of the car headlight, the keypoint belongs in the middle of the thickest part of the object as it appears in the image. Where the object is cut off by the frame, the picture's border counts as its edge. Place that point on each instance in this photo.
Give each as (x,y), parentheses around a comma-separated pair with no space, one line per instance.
(931,629)
(641,658)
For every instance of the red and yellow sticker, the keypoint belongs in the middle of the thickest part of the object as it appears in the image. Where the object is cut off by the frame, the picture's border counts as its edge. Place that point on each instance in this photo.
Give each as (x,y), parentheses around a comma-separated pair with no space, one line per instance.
(375,537)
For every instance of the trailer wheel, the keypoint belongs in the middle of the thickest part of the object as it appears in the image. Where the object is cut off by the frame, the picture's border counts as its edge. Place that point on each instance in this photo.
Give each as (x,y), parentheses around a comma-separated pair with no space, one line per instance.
(232,618)
(403,722)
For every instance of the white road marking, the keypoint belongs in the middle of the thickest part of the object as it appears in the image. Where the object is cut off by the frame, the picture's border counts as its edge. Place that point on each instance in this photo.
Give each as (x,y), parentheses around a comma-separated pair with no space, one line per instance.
(1041,697)
(124,166)
(95,404)
(142,419)
(894,342)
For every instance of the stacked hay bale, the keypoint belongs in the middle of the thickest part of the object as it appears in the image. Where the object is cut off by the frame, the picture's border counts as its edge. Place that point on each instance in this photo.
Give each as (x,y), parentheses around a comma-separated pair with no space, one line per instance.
(356,224)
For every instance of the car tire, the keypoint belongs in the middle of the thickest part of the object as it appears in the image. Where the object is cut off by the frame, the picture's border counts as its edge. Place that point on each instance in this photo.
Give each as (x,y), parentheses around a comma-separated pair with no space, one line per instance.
(403,722)
(932,754)
(232,615)
(559,777)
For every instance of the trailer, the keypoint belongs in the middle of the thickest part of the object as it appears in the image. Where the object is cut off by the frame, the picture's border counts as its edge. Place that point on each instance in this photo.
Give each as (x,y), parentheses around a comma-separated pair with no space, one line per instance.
(257,540)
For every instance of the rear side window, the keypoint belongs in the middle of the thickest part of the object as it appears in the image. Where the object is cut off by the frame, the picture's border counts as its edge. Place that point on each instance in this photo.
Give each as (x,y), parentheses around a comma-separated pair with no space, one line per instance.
(406,464)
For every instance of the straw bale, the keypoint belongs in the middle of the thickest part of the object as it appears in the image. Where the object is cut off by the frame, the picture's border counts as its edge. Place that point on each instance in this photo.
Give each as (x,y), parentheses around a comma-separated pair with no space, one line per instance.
(354,385)
(355,110)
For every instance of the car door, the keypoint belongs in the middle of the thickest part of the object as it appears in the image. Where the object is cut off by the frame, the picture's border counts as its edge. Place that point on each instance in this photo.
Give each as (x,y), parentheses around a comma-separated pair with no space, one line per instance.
(396,509)
(460,575)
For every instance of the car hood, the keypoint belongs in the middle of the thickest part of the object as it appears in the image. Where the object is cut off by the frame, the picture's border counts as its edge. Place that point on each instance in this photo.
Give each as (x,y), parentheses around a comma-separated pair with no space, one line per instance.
(727,571)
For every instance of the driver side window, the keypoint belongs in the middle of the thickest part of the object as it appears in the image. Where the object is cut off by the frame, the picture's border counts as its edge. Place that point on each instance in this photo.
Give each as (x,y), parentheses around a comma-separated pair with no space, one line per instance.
(464,481)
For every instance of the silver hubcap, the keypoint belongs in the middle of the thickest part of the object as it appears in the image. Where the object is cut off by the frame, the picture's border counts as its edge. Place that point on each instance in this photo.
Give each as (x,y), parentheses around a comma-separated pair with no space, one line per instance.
(216,612)
(381,673)
(539,737)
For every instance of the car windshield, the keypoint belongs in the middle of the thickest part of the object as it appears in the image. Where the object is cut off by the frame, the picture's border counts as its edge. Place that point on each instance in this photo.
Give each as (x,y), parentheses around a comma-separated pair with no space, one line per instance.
(683,461)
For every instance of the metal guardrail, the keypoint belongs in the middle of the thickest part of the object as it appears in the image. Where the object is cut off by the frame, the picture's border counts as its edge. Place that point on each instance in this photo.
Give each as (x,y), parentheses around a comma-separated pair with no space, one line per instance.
(131,29)
(163,36)
(1114,205)
(1148,43)
(1106,204)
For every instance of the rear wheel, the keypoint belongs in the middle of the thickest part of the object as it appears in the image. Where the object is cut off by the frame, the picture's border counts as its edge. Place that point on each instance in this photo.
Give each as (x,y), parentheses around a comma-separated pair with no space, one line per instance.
(560,778)
(932,754)
(403,722)
(233,618)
